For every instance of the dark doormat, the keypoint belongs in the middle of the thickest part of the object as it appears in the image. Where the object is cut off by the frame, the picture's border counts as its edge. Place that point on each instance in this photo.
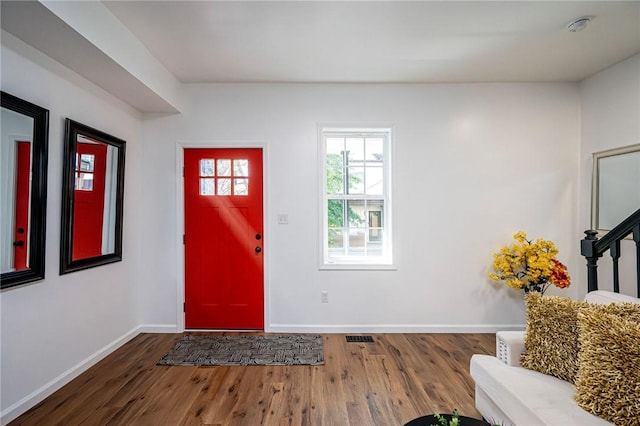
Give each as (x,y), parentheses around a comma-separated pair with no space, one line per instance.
(276,349)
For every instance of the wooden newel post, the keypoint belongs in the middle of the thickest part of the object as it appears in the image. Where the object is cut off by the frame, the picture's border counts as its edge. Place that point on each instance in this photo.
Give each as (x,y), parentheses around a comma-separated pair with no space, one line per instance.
(588,250)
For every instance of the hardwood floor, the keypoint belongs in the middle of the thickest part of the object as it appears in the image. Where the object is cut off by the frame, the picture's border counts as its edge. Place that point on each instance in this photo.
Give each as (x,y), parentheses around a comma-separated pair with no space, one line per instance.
(388,382)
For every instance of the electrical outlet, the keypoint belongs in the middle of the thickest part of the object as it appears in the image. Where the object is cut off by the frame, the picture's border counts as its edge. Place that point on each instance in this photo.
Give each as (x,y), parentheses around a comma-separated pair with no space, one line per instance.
(283,219)
(324,297)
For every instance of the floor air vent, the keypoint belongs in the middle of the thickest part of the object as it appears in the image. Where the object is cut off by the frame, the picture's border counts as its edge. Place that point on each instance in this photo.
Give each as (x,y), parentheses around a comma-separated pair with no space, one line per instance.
(365,339)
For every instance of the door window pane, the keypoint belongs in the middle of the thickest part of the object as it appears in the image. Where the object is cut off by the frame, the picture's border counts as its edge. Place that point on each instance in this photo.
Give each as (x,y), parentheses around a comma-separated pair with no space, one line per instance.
(241,186)
(224,168)
(86,162)
(207,186)
(224,186)
(206,167)
(84,181)
(241,167)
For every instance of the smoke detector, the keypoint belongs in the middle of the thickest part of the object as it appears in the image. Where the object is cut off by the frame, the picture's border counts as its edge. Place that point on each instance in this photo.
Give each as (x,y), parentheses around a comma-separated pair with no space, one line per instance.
(579,24)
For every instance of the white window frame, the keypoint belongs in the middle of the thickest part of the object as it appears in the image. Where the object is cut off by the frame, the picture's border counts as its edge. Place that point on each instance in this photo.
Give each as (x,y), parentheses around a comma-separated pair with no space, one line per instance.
(385,262)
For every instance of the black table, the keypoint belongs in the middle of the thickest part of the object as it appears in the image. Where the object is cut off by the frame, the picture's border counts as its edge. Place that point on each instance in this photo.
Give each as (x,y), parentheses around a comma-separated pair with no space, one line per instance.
(431,420)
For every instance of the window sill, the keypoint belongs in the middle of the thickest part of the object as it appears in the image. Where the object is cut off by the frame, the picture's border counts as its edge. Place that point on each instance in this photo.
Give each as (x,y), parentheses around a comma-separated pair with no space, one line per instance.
(356,267)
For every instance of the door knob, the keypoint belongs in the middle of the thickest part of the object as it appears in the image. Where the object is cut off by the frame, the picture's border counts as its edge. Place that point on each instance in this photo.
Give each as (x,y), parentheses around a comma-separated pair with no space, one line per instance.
(18,243)
(258,249)
(258,236)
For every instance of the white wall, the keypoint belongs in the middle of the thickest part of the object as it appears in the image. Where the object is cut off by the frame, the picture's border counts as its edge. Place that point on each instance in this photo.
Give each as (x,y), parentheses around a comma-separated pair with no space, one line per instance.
(474,163)
(52,329)
(610,119)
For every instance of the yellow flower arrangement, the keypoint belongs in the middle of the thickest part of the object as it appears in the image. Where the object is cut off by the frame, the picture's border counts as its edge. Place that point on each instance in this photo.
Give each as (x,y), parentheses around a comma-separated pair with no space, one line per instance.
(529,265)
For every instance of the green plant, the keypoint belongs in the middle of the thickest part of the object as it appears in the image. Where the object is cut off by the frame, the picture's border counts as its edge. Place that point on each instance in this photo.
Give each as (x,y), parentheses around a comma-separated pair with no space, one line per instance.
(443,421)
(454,420)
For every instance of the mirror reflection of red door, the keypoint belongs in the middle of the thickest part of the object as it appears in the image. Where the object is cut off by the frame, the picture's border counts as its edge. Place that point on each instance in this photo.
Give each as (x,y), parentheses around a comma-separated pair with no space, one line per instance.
(21,238)
(224,279)
(88,199)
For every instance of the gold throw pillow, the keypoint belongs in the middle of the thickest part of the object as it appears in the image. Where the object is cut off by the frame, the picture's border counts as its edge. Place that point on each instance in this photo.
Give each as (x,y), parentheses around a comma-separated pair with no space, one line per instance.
(608,379)
(551,340)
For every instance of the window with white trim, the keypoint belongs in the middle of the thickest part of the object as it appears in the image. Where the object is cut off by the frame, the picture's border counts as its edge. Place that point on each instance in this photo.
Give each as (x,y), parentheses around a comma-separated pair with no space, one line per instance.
(356,199)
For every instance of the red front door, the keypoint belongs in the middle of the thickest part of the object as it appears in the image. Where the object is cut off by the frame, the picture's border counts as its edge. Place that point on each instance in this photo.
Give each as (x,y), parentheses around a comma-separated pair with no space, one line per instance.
(88,201)
(21,238)
(224,279)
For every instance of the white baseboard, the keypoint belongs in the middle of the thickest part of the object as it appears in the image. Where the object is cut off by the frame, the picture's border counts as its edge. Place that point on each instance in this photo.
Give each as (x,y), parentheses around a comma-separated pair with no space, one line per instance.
(29,401)
(386,328)
(159,328)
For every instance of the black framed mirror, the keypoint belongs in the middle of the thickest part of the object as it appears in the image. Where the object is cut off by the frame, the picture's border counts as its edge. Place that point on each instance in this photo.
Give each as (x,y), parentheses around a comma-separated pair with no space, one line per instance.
(92,198)
(23,198)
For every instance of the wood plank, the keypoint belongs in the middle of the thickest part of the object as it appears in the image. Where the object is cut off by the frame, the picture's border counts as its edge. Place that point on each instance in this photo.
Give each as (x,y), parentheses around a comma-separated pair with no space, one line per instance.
(202,408)
(388,382)
(327,395)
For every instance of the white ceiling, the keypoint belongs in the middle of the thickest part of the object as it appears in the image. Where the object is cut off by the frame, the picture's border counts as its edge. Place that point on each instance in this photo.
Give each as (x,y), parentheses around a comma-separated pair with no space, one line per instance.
(382,41)
(141,51)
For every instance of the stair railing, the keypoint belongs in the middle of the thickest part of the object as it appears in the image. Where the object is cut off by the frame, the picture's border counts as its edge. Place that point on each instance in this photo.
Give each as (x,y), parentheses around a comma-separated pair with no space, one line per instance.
(593,248)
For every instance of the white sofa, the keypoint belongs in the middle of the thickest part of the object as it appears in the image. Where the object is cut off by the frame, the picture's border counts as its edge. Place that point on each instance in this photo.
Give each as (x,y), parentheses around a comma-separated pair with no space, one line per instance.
(508,394)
